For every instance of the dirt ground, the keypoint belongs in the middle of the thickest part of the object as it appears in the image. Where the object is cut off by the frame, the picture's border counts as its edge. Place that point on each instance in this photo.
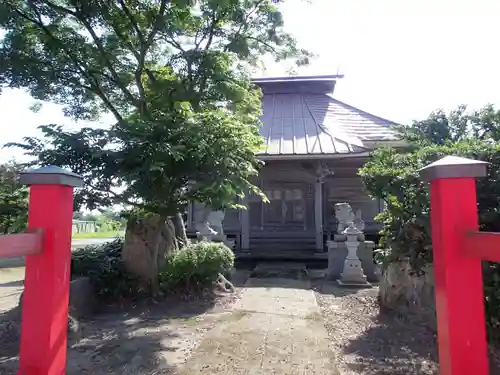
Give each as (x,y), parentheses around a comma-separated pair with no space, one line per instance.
(366,341)
(11,287)
(273,330)
(146,340)
(116,344)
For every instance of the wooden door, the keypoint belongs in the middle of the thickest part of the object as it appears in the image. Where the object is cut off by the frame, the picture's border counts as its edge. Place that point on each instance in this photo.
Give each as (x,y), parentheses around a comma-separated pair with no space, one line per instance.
(286,208)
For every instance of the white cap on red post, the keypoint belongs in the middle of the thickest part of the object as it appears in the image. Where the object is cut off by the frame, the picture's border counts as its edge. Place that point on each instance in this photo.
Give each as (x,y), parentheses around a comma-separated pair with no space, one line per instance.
(51,175)
(454,167)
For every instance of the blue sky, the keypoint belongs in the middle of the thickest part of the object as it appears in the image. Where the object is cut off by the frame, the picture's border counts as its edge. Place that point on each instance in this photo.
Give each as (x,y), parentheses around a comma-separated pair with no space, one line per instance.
(401,59)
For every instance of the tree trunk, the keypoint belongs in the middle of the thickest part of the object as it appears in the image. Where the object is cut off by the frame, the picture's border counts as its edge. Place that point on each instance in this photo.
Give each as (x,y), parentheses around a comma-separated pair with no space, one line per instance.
(148,243)
(180,230)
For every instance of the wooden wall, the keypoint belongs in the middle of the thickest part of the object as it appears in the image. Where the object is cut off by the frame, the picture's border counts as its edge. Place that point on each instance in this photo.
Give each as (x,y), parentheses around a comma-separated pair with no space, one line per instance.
(343,186)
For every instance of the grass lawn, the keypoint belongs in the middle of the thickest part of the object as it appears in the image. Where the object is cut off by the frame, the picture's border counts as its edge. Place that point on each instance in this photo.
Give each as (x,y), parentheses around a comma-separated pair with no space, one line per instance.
(98,235)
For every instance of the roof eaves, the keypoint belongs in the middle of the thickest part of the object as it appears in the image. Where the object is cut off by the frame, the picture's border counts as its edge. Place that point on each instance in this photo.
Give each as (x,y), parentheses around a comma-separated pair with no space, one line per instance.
(321,78)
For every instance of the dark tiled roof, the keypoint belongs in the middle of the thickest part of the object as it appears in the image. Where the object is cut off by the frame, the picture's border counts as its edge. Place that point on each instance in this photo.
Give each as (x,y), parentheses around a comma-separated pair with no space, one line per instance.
(316,123)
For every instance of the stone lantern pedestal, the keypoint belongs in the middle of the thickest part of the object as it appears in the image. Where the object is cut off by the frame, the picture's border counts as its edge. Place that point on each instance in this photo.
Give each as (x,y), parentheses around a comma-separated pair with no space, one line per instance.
(352,274)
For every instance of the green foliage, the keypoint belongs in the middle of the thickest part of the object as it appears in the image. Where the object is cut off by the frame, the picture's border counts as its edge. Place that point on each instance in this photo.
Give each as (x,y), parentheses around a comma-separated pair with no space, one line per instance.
(393,177)
(104,266)
(109,226)
(196,266)
(107,221)
(175,76)
(13,199)
(441,128)
(491,277)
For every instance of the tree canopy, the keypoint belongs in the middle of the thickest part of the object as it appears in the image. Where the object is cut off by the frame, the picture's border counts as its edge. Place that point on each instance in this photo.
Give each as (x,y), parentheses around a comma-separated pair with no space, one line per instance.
(175,74)
(459,124)
(392,176)
(13,199)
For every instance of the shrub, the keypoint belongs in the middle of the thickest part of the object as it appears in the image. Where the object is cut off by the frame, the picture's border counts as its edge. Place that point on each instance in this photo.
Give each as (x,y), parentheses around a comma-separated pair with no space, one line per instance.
(196,266)
(393,177)
(104,267)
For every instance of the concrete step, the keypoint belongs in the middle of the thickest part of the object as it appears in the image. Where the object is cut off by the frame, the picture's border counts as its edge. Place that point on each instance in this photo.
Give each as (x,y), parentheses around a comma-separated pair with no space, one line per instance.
(273,253)
(283,241)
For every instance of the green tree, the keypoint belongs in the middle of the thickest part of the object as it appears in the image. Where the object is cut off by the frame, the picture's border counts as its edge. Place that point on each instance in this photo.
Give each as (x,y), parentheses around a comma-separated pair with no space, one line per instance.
(439,128)
(444,128)
(392,176)
(175,76)
(13,199)
(485,123)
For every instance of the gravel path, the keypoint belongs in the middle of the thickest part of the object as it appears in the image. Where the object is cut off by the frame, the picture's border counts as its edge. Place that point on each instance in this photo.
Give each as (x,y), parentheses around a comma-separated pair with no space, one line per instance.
(366,342)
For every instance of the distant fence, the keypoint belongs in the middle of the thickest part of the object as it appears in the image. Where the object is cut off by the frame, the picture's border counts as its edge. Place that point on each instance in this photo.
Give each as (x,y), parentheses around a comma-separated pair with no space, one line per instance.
(82,226)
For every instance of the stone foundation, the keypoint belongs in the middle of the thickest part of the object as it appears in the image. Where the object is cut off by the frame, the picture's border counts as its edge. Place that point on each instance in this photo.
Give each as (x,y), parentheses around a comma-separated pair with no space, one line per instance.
(409,294)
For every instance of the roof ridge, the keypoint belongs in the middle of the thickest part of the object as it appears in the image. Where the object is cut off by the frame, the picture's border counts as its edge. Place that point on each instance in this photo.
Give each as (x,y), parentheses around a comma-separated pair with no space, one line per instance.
(364,112)
(348,140)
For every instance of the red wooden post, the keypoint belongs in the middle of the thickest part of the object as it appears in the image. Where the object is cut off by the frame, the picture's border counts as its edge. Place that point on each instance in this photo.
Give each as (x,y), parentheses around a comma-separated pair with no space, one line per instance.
(458,277)
(46,284)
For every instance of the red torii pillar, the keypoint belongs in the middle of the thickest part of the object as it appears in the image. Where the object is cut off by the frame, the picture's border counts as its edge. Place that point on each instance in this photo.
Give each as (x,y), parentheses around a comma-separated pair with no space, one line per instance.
(46,285)
(458,249)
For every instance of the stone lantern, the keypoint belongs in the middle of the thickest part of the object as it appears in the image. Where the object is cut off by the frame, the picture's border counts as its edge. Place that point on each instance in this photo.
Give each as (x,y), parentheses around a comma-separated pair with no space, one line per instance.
(352,273)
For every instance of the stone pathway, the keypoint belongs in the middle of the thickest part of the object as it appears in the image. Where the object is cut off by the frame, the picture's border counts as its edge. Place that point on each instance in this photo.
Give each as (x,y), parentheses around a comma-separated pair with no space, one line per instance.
(276,329)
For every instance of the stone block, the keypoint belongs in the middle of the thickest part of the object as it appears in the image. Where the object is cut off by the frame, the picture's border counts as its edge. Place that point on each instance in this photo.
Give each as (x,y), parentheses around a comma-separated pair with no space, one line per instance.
(82,300)
(337,252)
(82,304)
